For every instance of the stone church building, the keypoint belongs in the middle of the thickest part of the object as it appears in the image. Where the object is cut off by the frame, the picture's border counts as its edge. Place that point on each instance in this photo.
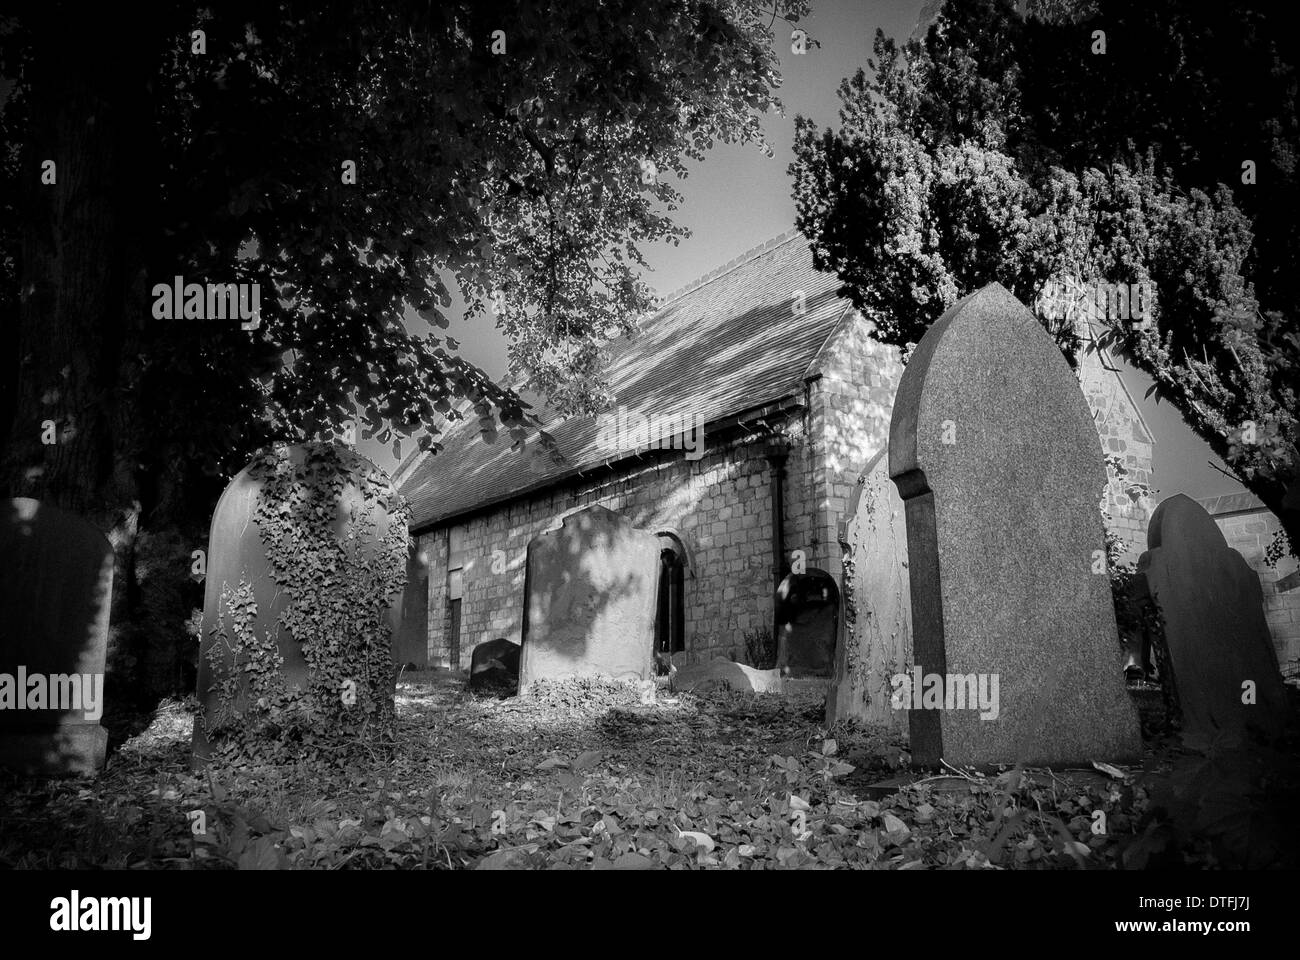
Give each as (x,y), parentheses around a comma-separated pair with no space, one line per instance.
(789,401)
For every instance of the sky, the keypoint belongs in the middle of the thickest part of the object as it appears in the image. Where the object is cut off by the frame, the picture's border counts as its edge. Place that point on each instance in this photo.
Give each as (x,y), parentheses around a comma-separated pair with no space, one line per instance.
(737,198)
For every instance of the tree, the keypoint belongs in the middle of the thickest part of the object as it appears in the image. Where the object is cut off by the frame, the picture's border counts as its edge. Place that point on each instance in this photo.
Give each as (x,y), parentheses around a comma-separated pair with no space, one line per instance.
(350,160)
(1004,148)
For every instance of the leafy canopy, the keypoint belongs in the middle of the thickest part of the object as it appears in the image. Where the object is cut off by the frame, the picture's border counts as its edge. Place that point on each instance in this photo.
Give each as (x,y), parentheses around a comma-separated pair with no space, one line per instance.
(993,151)
(514,157)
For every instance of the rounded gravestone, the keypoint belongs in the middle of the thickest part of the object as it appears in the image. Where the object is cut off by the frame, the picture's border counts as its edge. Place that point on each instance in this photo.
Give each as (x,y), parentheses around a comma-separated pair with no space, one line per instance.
(1225,667)
(55,597)
(999,466)
(313,539)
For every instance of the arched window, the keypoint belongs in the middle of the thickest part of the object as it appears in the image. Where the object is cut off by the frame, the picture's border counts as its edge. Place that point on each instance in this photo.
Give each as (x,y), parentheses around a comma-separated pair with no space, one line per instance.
(670,620)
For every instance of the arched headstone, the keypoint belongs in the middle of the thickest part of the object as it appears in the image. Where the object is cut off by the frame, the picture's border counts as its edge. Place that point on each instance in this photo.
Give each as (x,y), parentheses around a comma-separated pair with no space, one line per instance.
(1215,629)
(237,555)
(997,460)
(54,609)
(590,594)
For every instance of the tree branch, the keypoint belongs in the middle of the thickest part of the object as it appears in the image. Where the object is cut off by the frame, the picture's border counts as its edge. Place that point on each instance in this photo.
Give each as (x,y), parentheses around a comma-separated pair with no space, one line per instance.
(1230,476)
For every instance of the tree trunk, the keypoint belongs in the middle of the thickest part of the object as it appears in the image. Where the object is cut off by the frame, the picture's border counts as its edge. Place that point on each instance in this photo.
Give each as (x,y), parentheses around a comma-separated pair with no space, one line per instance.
(83,272)
(82,269)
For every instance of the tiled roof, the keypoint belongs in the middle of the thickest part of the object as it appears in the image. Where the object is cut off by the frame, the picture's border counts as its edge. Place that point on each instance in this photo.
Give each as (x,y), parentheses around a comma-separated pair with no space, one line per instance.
(1244,502)
(728,343)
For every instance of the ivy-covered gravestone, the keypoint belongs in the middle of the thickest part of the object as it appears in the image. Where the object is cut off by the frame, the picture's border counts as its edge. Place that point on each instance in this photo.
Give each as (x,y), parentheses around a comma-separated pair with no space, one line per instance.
(306,565)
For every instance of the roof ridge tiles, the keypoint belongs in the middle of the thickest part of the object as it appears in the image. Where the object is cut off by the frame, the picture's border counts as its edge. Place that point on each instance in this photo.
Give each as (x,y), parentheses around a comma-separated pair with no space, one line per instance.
(727,267)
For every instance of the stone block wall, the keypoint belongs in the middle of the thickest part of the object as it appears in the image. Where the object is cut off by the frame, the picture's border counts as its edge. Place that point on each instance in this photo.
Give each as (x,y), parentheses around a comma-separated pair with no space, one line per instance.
(1124,435)
(852,402)
(719,507)
(1249,527)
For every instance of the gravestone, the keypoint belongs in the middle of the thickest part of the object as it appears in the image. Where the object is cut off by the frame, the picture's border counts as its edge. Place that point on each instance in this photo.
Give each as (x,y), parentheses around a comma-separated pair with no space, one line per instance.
(494,663)
(726,674)
(54,612)
(590,595)
(999,466)
(877,634)
(1215,629)
(237,554)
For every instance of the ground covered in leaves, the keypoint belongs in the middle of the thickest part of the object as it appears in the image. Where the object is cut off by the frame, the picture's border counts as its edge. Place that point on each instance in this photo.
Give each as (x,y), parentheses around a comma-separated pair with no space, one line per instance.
(594,774)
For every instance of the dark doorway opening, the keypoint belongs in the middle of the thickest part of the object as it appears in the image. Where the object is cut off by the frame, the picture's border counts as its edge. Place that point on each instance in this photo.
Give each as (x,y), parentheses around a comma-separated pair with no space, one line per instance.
(411,645)
(670,622)
(453,636)
(807,624)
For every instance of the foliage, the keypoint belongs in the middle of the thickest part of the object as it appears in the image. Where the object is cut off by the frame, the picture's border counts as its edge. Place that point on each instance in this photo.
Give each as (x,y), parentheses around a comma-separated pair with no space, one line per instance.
(1232,806)
(511,158)
(508,180)
(952,168)
(760,648)
(1142,630)
(1137,616)
(338,585)
(154,655)
(251,693)
(1278,547)
(733,781)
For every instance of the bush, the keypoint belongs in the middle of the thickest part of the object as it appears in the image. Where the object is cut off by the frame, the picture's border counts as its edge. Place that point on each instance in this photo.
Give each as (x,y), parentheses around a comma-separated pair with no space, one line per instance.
(760,648)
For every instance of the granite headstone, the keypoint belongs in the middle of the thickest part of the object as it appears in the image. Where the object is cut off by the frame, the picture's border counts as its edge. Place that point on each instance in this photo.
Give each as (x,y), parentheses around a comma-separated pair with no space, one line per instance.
(999,466)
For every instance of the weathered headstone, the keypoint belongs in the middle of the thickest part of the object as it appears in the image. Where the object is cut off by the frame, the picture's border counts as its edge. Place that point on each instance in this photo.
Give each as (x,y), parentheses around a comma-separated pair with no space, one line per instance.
(877,634)
(997,460)
(237,554)
(590,595)
(1215,628)
(54,611)
(494,663)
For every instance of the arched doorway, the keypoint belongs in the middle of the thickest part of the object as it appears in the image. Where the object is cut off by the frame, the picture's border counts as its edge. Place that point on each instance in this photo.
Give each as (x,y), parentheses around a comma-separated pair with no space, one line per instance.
(807,623)
(670,619)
